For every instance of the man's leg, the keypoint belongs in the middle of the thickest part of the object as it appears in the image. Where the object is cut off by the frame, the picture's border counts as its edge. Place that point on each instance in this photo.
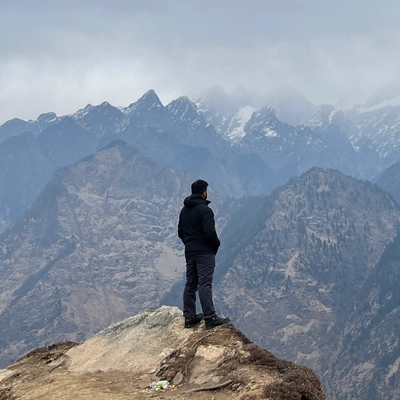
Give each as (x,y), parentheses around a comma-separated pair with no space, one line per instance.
(205,271)
(192,283)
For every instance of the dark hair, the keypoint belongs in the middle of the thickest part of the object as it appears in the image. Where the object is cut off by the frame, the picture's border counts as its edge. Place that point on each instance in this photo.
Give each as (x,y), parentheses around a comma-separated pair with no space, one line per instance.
(199,186)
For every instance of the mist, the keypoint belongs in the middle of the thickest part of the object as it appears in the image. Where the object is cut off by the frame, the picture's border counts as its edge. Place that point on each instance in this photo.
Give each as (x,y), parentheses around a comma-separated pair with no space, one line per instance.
(60,57)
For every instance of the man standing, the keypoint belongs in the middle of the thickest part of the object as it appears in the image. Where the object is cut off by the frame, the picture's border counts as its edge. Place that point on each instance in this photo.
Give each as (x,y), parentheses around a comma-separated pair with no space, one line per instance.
(196,229)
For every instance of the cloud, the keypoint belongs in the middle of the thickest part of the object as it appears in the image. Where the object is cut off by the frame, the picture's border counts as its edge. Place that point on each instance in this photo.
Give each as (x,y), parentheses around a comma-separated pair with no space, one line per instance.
(60,56)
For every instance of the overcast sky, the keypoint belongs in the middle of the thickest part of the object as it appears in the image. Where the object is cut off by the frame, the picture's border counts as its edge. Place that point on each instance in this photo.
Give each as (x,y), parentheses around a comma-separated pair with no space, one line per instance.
(59,55)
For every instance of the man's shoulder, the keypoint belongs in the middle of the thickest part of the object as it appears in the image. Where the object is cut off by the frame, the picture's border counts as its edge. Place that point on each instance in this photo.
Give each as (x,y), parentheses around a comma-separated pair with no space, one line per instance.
(198,209)
(204,208)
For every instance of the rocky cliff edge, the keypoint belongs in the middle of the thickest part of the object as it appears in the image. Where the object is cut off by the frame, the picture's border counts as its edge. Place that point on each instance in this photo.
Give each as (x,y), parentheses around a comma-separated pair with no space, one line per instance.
(121,361)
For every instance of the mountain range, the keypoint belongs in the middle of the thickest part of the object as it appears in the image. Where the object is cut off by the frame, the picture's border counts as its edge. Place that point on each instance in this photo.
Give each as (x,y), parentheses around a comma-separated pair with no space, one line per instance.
(247,143)
(307,266)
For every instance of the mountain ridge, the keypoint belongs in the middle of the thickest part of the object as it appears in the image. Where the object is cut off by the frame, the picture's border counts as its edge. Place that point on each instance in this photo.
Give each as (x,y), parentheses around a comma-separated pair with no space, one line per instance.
(64,245)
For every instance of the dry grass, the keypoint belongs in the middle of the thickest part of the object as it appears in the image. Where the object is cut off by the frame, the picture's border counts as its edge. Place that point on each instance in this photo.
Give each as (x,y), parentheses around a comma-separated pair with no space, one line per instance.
(47,352)
(297,383)
(5,394)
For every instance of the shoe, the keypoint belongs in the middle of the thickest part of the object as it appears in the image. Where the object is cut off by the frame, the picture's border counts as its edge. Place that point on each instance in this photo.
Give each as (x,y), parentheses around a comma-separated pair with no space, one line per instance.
(216,321)
(191,322)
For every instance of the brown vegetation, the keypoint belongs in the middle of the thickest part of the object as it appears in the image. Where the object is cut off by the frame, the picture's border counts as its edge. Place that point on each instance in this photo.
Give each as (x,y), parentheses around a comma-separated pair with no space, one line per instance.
(298,382)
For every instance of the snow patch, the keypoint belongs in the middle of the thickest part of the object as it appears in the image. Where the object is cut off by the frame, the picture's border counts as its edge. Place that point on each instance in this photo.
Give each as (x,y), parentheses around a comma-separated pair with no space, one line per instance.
(82,112)
(332,115)
(395,102)
(235,131)
(268,132)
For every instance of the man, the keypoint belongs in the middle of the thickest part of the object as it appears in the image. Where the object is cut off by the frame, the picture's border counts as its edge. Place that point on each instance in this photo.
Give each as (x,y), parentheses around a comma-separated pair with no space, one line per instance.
(196,229)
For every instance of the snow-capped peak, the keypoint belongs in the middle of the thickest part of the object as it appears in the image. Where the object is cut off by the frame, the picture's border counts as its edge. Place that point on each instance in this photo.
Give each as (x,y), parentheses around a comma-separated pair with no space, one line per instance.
(235,131)
(82,112)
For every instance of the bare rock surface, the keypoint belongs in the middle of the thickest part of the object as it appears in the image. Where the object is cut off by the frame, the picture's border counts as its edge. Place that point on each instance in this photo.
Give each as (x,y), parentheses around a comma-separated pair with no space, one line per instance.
(137,343)
(121,361)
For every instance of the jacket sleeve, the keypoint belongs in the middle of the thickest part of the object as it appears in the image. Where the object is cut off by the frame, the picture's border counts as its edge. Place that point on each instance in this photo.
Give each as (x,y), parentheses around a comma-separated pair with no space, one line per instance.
(210,233)
(180,228)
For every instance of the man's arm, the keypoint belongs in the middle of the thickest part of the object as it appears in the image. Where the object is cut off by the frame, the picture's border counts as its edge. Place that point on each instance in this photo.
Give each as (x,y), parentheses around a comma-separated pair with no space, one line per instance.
(210,233)
(180,228)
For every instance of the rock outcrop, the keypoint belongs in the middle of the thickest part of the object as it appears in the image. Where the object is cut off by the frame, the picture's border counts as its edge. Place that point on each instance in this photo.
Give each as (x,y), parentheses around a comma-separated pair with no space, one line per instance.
(122,360)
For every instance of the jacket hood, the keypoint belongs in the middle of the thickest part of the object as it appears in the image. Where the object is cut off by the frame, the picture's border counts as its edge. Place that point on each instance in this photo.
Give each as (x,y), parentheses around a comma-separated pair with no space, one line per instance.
(195,200)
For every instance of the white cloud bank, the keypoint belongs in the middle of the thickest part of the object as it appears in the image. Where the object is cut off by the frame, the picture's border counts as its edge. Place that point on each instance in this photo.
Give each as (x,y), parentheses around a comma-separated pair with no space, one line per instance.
(60,56)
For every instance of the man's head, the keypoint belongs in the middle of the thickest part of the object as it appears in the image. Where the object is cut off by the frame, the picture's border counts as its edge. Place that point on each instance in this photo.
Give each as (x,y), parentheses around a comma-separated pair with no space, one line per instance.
(200,187)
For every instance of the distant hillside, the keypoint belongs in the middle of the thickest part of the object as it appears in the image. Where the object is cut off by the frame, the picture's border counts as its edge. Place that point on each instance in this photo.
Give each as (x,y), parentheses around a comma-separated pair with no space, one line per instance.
(292,265)
(99,244)
(389,180)
(368,361)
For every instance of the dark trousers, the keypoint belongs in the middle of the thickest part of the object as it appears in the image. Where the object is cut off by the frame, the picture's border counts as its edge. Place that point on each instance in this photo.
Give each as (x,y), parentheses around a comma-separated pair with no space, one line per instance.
(199,276)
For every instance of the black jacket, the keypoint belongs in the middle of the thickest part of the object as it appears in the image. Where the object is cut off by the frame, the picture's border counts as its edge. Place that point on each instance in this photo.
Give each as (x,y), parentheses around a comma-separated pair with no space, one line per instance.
(196,227)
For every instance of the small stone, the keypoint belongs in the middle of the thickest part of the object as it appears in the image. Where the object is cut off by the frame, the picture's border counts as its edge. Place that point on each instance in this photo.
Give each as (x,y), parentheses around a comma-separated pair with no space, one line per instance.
(178,379)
